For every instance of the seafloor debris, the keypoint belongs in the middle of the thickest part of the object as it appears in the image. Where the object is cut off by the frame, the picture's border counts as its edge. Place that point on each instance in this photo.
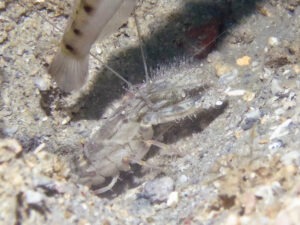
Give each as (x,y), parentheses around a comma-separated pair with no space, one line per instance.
(256,189)
(27,182)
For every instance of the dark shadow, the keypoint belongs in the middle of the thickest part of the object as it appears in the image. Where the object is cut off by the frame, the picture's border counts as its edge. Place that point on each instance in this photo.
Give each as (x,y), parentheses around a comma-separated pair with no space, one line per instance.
(188,126)
(168,43)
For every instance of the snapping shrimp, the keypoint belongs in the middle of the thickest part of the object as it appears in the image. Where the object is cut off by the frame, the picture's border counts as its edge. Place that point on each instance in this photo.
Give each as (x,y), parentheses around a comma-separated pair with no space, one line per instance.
(128,134)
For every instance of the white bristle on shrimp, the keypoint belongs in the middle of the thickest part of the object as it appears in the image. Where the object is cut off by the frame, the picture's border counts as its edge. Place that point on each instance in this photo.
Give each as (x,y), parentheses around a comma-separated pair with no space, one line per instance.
(90,20)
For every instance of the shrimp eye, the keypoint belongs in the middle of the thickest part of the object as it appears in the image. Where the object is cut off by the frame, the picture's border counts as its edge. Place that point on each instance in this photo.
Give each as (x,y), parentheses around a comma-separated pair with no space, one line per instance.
(88,9)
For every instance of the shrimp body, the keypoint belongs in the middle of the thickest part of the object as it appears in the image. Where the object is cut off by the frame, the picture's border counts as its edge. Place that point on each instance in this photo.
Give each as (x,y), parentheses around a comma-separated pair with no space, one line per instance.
(126,137)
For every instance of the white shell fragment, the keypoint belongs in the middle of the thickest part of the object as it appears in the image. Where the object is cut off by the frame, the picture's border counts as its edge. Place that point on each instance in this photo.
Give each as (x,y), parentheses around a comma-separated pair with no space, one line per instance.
(173,199)
(281,130)
(235,92)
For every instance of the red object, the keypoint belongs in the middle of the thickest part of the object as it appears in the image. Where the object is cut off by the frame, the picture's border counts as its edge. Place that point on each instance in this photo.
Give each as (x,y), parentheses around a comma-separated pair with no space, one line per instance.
(203,38)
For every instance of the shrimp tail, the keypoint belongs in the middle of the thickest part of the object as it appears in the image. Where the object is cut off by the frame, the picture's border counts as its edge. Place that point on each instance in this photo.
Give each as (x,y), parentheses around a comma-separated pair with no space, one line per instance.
(69,72)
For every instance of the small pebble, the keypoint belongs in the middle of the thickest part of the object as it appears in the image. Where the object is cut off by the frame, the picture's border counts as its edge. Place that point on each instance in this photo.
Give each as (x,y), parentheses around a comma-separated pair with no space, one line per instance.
(173,199)
(273,41)
(98,50)
(159,189)
(223,69)
(41,84)
(291,158)
(276,145)
(254,114)
(228,77)
(10,131)
(281,130)
(33,197)
(250,119)
(244,61)
(248,124)
(237,92)
(279,111)
(183,179)
(276,88)
(267,74)
(66,120)
(219,103)
(248,96)
(255,64)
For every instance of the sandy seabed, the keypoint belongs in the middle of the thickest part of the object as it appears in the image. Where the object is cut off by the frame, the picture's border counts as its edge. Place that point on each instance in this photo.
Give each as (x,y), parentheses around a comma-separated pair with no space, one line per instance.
(238,166)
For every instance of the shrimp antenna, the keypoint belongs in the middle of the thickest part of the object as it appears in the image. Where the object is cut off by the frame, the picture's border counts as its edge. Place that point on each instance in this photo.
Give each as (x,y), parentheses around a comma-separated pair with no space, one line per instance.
(138,29)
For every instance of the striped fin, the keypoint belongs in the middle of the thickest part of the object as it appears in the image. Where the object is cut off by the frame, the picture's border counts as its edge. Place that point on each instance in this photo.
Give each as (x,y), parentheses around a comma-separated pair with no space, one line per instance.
(90,20)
